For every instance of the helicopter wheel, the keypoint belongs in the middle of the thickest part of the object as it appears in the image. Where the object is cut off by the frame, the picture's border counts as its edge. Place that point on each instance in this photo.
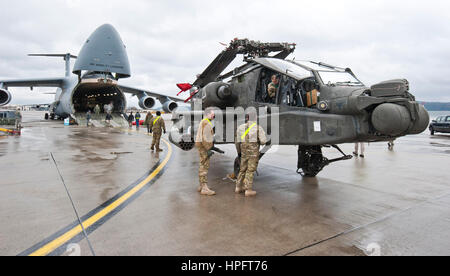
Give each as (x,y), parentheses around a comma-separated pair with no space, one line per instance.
(310,161)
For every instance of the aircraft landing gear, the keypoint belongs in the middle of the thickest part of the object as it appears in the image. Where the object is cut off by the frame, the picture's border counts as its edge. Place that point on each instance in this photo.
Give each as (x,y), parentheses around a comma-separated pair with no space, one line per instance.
(311,160)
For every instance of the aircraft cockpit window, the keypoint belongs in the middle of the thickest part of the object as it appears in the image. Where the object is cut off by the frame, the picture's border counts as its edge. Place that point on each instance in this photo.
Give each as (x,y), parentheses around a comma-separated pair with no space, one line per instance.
(299,93)
(338,78)
(268,87)
(285,67)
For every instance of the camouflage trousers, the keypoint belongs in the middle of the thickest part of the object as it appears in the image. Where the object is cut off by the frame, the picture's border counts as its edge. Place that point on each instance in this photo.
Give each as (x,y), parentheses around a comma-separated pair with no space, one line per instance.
(249,164)
(204,167)
(156,140)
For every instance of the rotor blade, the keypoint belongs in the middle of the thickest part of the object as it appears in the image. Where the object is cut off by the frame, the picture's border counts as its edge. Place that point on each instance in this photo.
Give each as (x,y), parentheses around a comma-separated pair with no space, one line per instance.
(51,55)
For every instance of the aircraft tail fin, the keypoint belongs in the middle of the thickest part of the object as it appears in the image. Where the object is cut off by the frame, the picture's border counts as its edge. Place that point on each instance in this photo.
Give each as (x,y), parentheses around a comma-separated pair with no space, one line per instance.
(66,57)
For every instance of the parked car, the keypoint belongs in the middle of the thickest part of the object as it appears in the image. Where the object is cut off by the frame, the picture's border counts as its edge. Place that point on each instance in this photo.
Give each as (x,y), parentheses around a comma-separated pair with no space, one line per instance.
(7,117)
(441,124)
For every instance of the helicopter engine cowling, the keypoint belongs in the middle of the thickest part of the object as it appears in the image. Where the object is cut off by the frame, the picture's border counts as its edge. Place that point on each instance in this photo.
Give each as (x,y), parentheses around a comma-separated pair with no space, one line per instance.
(5,97)
(218,94)
(422,122)
(146,102)
(393,119)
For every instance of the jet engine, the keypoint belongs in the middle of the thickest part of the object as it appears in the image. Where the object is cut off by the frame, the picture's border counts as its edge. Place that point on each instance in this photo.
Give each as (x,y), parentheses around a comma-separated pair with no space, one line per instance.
(169,106)
(146,102)
(5,97)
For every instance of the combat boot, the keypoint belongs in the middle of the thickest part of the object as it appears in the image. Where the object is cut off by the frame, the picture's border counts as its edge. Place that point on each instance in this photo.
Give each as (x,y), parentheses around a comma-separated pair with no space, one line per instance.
(232,176)
(159,150)
(200,188)
(206,191)
(249,193)
(239,190)
(152,147)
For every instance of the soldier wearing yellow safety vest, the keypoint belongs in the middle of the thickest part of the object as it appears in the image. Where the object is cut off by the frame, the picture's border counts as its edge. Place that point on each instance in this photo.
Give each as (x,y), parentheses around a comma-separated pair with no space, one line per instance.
(250,136)
(157,125)
(204,142)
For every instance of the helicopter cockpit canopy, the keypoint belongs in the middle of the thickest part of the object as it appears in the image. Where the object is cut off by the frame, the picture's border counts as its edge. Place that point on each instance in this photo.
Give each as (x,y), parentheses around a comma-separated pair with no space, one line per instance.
(285,67)
(300,70)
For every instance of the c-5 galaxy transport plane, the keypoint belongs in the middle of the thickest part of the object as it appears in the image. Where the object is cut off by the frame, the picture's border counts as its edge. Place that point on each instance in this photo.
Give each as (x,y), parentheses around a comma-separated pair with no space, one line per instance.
(319,105)
(102,61)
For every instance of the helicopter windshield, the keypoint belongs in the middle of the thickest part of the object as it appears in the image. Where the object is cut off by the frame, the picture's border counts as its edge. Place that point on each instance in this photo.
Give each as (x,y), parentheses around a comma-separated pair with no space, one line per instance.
(338,78)
(285,67)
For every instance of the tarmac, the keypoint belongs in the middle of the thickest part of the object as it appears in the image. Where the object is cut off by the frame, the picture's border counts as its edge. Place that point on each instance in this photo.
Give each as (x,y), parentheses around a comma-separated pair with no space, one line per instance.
(132,201)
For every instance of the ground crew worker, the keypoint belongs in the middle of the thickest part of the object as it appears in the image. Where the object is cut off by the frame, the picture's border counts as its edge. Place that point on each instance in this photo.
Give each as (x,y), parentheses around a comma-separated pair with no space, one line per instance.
(148,120)
(88,118)
(18,120)
(204,142)
(138,120)
(357,146)
(97,111)
(130,119)
(157,126)
(391,144)
(250,136)
(273,88)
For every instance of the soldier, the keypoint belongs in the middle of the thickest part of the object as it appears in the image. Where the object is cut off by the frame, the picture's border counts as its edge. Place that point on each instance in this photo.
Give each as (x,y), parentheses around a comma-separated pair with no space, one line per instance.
(273,88)
(157,125)
(138,120)
(97,111)
(357,146)
(88,118)
(148,120)
(18,121)
(204,143)
(249,138)
(391,144)
(130,119)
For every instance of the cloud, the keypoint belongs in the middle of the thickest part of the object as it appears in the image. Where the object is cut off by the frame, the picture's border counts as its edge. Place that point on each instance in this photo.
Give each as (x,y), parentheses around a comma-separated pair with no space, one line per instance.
(172,41)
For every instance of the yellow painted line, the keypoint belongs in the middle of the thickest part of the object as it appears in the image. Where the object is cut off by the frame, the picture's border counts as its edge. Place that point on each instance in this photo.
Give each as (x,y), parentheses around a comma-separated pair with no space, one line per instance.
(56,243)
(5,130)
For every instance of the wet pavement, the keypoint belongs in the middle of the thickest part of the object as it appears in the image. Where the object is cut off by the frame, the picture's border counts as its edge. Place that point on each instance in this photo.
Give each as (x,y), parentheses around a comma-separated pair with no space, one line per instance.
(134,202)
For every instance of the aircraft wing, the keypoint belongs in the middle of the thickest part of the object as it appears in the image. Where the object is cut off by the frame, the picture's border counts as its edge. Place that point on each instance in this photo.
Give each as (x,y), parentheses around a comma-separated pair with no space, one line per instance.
(49,82)
(138,92)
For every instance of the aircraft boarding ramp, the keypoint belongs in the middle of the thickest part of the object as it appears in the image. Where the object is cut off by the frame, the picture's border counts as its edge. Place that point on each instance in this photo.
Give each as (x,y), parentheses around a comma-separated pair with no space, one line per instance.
(117,121)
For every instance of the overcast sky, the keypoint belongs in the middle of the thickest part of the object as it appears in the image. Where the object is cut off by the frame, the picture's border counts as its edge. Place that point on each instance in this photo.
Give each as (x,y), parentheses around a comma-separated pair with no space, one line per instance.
(171,41)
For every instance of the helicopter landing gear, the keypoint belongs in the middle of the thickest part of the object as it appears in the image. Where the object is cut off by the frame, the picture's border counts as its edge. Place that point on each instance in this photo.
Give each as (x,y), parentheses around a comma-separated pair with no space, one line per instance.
(311,160)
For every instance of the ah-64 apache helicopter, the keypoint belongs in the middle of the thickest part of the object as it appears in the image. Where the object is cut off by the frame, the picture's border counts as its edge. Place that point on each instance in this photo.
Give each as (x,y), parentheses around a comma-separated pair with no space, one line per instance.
(319,105)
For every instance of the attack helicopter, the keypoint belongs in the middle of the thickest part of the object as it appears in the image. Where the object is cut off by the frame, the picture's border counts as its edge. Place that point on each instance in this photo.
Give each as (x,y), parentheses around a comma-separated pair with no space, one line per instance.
(316,104)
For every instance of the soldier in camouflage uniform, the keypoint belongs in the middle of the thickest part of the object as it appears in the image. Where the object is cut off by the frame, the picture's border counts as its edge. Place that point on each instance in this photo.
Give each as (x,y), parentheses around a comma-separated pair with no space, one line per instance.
(250,136)
(273,88)
(157,125)
(18,121)
(204,142)
(148,120)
